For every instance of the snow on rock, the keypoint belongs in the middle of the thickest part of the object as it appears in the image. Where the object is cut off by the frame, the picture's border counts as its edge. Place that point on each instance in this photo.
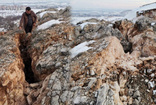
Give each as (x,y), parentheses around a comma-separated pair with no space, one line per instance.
(152,24)
(2,29)
(42,13)
(60,8)
(48,24)
(152,75)
(154,92)
(132,14)
(137,18)
(84,24)
(80,48)
(75,20)
(151,84)
(16,22)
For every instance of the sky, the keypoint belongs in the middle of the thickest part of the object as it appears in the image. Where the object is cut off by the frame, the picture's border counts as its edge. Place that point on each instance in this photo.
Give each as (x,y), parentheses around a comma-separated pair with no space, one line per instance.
(93,4)
(109,4)
(31,1)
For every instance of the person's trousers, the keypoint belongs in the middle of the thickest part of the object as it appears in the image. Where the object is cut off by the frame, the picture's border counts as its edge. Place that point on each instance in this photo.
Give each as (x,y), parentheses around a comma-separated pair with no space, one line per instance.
(28,29)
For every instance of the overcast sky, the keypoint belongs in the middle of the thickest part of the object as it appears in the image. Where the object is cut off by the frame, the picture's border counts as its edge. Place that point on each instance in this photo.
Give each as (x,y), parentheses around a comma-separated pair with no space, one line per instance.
(93,4)
(109,4)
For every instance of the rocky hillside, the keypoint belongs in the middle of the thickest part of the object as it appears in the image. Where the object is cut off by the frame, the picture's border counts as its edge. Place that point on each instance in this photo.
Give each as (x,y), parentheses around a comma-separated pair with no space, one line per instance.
(145,10)
(92,63)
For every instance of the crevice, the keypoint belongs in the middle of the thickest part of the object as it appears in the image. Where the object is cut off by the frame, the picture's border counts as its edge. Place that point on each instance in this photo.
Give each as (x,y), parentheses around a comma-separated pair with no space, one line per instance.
(29,75)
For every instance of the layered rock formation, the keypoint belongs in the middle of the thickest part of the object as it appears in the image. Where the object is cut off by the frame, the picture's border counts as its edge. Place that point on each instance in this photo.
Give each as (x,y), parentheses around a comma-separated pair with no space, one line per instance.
(151,13)
(141,35)
(91,63)
(11,72)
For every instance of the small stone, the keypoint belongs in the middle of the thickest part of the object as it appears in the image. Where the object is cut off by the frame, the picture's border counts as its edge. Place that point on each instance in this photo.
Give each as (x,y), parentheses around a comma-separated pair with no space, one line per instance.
(80,100)
(122,92)
(58,64)
(136,94)
(98,84)
(92,73)
(64,51)
(135,102)
(64,96)
(34,85)
(29,100)
(110,92)
(124,98)
(130,92)
(55,100)
(130,100)
(155,100)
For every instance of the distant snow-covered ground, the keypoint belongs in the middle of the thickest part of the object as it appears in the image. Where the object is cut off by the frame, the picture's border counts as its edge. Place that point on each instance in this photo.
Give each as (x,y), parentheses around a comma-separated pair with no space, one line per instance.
(75,20)
(5,13)
(132,14)
(105,14)
(17,7)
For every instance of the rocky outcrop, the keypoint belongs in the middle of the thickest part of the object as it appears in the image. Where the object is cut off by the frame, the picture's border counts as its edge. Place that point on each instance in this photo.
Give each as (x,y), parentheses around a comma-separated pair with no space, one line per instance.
(90,63)
(80,78)
(54,44)
(151,13)
(53,13)
(95,29)
(11,71)
(141,35)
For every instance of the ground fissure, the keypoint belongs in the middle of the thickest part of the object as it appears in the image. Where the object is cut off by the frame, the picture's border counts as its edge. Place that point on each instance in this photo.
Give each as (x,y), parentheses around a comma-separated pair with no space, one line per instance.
(29,74)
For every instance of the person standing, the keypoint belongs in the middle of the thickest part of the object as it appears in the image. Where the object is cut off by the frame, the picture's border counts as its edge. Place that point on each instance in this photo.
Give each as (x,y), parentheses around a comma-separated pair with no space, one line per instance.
(28,20)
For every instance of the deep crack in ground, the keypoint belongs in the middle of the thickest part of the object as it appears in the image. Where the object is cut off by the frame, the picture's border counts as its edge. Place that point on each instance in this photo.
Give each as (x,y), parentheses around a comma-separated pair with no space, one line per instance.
(29,75)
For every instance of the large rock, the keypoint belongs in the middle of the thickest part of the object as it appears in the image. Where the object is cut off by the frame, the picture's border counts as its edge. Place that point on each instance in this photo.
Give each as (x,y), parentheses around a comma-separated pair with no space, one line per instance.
(11,71)
(124,26)
(70,85)
(150,13)
(140,35)
(46,48)
(142,24)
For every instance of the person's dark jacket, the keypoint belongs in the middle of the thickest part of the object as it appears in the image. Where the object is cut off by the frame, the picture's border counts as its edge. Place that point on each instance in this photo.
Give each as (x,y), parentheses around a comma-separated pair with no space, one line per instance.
(24,19)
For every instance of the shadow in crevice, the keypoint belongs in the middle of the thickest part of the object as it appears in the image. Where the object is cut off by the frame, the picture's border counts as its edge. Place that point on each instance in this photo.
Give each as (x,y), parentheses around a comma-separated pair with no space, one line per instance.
(29,75)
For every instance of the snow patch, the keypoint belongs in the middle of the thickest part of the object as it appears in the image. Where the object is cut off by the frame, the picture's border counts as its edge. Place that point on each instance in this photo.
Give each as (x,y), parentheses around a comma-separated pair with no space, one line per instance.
(154,92)
(110,25)
(3,30)
(152,24)
(86,23)
(151,84)
(80,48)
(43,13)
(149,70)
(146,80)
(152,75)
(48,24)
(60,8)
